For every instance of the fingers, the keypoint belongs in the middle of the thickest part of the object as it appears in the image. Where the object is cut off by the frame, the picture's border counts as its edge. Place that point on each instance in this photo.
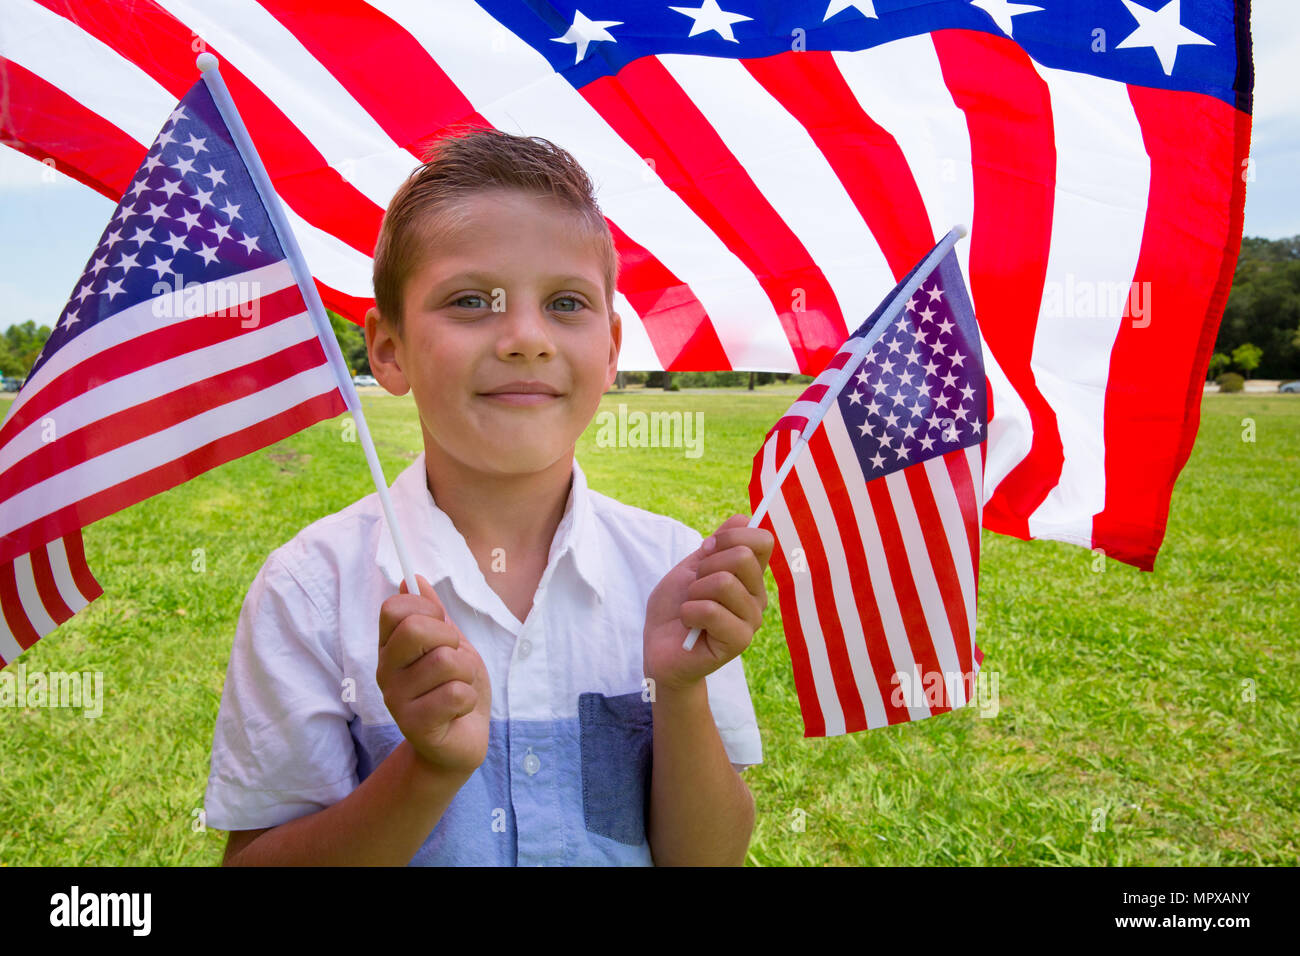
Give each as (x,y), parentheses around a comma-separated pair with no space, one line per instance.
(726,590)
(403,604)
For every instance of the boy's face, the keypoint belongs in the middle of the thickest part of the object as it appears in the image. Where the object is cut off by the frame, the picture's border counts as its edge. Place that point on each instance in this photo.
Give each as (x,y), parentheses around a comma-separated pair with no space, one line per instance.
(515,295)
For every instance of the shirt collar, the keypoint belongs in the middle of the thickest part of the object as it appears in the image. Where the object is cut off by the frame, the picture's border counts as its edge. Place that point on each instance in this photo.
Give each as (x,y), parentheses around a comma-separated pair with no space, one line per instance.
(438,550)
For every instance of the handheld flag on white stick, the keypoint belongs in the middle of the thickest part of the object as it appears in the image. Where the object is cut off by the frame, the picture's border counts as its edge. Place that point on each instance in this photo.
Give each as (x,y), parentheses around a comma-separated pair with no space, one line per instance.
(194,336)
(877,527)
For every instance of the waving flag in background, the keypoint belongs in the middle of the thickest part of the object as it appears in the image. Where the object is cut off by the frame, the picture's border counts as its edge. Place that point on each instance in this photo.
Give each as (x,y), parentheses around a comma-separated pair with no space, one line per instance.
(877,522)
(186,343)
(768,169)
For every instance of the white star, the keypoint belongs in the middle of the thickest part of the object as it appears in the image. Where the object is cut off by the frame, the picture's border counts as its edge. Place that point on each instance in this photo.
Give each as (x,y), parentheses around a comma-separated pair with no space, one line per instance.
(923,389)
(874,407)
(176,242)
(911,304)
(711,17)
(111,238)
(901,451)
(862,376)
(99,264)
(203,196)
(156,211)
(162,266)
(183,166)
(1001,11)
(891,419)
(231,210)
(209,254)
(177,115)
(957,359)
(196,144)
(905,379)
(961,412)
(931,368)
(901,324)
(887,367)
(950,380)
(127,262)
(918,336)
(967,391)
(885,439)
(935,294)
(944,326)
(249,243)
(136,189)
(934,421)
(927,314)
(191,219)
(84,292)
(164,138)
(69,320)
(222,230)
(916,409)
(113,289)
(152,162)
(927,442)
(141,236)
(865,7)
(899,398)
(1163,31)
(855,398)
(218,176)
(171,188)
(975,426)
(912,357)
(584,31)
(894,346)
(909,430)
(942,399)
(937,347)
(864,429)
(877,460)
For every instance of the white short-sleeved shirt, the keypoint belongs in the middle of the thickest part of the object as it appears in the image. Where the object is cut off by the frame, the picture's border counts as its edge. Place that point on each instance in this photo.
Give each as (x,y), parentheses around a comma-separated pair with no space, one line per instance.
(566,779)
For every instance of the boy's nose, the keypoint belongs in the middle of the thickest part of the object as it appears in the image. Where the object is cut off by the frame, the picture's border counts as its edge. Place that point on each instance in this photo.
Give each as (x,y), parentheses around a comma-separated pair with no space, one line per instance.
(526,332)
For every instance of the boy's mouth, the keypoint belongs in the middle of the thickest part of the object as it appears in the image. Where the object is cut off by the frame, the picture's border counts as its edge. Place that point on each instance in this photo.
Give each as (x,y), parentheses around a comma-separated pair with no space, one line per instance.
(531,392)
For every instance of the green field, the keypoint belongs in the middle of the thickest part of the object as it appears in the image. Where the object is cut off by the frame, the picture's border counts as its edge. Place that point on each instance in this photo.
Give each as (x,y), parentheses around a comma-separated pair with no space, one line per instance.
(1145,719)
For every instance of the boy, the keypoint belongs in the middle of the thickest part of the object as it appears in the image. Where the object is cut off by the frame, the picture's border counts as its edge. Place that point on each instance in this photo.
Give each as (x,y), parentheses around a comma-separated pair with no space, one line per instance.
(533,704)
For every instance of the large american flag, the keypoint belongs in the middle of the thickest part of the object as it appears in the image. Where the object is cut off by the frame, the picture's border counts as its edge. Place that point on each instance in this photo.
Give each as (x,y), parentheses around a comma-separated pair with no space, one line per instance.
(185,344)
(768,169)
(877,523)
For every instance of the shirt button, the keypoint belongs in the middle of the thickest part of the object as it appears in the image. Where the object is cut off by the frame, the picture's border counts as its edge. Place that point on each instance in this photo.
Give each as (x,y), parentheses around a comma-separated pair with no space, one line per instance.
(531,763)
(525,647)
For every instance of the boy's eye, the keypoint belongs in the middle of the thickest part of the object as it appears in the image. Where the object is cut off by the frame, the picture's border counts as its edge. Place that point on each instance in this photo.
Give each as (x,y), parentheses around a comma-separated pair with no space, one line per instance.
(471,299)
(576,303)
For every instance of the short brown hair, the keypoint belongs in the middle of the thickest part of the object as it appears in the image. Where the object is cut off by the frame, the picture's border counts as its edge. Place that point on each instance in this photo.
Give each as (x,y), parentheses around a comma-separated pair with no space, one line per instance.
(464,163)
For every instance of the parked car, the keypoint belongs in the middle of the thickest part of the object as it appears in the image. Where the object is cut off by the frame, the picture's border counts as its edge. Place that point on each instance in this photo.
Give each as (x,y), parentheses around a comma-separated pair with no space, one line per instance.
(364,380)
(8,384)
(1293,387)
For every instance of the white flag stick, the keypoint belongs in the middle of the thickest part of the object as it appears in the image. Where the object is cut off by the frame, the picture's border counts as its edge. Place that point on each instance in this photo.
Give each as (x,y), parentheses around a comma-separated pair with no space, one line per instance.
(207,64)
(836,384)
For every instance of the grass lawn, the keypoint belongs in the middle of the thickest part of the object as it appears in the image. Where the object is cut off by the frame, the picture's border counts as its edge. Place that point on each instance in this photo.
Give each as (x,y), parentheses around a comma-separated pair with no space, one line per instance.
(1145,719)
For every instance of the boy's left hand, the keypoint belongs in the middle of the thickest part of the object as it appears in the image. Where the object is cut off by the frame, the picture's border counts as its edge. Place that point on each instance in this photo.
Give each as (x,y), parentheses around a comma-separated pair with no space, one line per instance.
(718,588)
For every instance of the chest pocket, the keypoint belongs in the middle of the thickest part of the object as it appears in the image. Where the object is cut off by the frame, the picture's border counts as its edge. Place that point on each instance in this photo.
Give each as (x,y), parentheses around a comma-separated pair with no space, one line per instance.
(616,735)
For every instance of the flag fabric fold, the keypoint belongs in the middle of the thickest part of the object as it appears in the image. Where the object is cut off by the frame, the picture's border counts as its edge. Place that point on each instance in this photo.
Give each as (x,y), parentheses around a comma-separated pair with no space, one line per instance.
(877,524)
(185,344)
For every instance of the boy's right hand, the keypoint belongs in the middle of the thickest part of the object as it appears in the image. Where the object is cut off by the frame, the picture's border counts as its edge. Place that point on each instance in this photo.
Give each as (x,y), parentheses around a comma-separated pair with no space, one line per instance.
(434,683)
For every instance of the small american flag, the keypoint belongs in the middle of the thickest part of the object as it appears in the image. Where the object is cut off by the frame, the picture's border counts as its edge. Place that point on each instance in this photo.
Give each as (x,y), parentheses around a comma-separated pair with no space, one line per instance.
(186,344)
(877,523)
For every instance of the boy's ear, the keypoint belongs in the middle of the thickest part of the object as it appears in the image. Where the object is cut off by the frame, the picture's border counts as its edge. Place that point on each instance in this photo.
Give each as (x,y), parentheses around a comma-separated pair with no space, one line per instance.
(615,346)
(381,346)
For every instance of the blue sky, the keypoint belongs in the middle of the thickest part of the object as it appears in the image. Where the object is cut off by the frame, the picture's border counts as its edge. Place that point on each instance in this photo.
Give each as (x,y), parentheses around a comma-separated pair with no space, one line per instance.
(49,226)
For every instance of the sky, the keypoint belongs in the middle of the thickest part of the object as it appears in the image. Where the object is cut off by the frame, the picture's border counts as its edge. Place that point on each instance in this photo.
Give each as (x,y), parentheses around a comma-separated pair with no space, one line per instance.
(49,223)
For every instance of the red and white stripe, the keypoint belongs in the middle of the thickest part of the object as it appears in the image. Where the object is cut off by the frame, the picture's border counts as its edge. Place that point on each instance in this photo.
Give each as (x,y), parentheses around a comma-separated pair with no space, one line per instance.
(141,402)
(877,578)
(41,590)
(753,233)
